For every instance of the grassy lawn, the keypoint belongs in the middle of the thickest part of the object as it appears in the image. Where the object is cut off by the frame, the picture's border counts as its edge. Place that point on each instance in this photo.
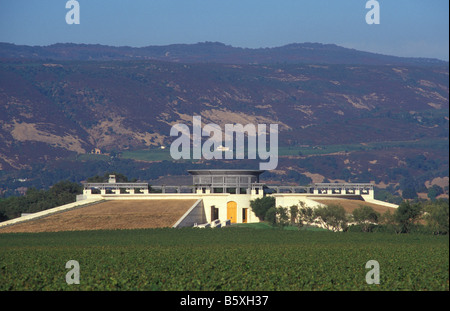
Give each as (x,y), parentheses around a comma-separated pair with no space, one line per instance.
(157,154)
(148,154)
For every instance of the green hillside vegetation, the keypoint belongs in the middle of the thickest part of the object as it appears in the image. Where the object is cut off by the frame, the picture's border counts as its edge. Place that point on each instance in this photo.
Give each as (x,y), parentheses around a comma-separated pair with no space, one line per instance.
(34,200)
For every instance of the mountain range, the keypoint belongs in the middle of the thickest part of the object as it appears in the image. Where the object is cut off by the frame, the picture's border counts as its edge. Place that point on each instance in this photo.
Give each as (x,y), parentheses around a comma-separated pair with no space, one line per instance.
(69,99)
(213,52)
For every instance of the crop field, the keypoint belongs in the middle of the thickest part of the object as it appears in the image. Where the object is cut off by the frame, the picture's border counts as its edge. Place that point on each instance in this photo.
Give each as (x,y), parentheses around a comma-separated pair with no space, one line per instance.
(227,259)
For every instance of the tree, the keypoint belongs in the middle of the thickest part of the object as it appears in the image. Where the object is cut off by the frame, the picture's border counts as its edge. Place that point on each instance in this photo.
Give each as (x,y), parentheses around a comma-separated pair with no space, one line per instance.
(409,193)
(388,219)
(305,215)
(407,214)
(96,179)
(294,214)
(271,215)
(3,216)
(101,179)
(66,186)
(282,218)
(437,216)
(260,206)
(37,200)
(64,192)
(434,191)
(332,217)
(277,216)
(365,216)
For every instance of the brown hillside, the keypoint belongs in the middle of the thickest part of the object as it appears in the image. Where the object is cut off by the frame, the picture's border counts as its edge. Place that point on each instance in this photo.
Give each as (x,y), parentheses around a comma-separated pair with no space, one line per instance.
(350,205)
(120,214)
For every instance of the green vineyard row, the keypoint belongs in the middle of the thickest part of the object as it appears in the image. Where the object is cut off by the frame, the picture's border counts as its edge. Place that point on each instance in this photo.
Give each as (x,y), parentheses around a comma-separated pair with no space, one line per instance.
(227,259)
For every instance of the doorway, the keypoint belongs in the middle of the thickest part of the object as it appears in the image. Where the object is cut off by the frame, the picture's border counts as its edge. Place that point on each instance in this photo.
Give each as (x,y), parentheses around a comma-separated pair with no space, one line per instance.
(244,215)
(214,213)
(232,211)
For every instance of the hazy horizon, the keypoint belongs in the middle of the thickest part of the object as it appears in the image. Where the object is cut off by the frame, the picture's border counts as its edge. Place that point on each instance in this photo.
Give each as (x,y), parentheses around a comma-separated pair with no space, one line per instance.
(408,28)
(216,42)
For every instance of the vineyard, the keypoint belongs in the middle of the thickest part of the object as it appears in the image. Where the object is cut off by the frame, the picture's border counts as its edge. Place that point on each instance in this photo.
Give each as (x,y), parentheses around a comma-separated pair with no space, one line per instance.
(222,260)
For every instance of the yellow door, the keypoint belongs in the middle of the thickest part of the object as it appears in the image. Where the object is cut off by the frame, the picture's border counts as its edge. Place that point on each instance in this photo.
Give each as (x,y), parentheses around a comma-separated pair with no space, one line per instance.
(232,211)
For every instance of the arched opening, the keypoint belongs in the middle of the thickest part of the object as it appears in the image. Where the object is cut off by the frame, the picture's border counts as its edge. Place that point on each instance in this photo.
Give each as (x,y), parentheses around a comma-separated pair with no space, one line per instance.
(232,211)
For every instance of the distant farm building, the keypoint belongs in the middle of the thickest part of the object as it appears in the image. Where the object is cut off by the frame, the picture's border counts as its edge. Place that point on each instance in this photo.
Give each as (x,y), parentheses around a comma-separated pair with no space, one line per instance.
(96,151)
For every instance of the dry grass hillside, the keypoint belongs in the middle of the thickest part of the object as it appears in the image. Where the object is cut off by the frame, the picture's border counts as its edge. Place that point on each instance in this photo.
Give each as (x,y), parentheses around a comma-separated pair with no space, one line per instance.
(120,214)
(350,205)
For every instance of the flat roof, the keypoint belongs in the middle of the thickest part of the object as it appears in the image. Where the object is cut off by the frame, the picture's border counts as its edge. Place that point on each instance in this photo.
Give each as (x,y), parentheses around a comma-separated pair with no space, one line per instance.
(115,185)
(220,172)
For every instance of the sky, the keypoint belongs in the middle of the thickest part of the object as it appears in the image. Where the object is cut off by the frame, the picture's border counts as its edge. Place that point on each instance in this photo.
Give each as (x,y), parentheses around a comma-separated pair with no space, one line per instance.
(412,28)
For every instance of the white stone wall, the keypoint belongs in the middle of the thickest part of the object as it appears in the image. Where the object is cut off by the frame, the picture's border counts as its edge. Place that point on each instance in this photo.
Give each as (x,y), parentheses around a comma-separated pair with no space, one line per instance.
(220,201)
(289,199)
(195,215)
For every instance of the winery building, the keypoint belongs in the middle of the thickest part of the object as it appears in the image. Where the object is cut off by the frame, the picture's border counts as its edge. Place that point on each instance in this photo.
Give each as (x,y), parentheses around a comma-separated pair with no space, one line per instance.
(224,196)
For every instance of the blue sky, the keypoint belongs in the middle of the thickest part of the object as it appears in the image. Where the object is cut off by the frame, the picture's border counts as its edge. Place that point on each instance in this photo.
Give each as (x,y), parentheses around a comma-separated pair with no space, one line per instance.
(416,28)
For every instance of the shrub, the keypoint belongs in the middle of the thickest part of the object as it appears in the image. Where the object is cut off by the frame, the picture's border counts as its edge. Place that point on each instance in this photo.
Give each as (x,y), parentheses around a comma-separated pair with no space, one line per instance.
(282,216)
(306,215)
(407,214)
(260,206)
(332,217)
(437,216)
(271,215)
(365,216)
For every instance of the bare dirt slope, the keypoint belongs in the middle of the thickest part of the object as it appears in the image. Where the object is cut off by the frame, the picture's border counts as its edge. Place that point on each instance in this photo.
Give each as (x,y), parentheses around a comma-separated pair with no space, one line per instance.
(350,205)
(120,214)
